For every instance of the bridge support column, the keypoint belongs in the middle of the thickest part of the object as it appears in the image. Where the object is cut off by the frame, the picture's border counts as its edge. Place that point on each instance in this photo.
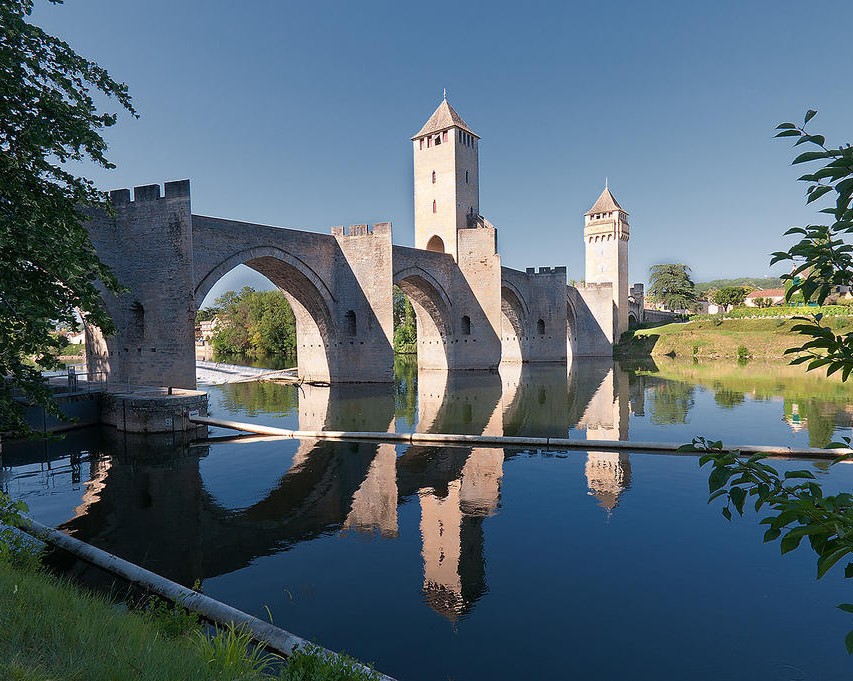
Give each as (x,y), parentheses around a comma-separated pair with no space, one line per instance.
(364,349)
(148,245)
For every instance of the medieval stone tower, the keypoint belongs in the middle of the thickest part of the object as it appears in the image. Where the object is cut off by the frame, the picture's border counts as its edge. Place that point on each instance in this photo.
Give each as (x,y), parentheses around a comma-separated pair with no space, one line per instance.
(447,180)
(606,233)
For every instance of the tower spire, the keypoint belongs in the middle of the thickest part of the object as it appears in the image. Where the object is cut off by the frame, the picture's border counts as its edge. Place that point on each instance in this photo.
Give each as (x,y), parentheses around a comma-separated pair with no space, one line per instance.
(605,182)
(445,94)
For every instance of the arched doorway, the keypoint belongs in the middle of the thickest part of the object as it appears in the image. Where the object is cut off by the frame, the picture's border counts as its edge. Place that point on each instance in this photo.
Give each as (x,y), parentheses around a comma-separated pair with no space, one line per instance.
(435,244)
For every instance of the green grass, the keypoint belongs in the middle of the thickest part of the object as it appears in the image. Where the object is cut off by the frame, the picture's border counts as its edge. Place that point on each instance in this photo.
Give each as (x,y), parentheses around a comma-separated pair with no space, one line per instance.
(311,665)
(712,337)
(52,629)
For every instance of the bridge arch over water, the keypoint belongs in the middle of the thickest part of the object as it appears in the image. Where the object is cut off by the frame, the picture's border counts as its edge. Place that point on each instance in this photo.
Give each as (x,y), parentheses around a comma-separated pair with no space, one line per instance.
(317,334)
(432,308)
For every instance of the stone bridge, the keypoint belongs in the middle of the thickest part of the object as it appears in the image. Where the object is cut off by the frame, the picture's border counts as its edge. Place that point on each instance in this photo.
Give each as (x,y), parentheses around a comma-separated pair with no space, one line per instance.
(471,312)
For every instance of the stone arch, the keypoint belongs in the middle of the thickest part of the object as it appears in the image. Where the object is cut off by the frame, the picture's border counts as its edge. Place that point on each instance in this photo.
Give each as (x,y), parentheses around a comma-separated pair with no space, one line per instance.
(432,314)
(571,329)
(632,320)
(514,315)
(435,244)
(307,294)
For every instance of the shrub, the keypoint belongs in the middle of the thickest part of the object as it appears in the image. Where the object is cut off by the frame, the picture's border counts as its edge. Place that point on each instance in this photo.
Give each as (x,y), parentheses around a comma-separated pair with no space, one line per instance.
(231,653)
(15,547)
(313,664)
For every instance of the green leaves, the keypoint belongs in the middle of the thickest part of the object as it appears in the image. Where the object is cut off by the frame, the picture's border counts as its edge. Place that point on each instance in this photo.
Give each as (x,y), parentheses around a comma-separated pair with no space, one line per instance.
(255,322)
(48,267)
(670,284)
(795,505)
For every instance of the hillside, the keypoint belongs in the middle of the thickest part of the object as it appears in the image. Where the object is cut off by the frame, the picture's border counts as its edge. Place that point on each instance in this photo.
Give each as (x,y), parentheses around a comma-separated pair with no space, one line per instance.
(754,282)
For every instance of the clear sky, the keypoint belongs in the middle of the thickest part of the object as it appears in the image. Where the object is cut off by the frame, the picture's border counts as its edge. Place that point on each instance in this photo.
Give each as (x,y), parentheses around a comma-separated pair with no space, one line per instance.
(300,114)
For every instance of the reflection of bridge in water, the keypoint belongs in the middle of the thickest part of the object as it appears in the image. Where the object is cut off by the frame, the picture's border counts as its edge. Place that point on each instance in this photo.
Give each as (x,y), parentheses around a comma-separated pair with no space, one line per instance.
(150,505)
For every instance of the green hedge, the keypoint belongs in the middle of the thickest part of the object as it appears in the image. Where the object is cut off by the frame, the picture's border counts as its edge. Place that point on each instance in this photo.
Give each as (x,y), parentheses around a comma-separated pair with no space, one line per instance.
(779,311)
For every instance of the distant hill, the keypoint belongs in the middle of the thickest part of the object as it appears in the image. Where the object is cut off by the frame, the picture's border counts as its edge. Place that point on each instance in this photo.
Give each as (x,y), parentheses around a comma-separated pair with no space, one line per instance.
(755,282)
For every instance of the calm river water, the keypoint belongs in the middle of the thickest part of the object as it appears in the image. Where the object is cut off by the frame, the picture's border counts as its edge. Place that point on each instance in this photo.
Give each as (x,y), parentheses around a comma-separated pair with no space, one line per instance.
(480,563)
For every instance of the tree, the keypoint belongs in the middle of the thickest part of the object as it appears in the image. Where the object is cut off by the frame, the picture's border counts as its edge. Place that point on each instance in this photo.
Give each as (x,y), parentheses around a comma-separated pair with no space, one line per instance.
(730,296)
(405,327)
(823,260)
(48,267)
(255,322)
(671,286)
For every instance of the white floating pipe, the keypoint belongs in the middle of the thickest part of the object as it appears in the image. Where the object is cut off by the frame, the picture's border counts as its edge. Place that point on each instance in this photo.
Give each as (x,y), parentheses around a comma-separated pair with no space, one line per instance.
(449,439)
(274,638)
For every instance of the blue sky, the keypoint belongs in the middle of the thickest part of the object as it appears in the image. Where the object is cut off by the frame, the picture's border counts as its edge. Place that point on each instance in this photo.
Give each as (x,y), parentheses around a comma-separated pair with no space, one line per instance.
(300,114)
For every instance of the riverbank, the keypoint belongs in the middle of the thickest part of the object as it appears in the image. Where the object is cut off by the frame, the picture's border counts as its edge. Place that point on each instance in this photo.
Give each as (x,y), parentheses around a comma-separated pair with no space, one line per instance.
(54,629)
(718,339)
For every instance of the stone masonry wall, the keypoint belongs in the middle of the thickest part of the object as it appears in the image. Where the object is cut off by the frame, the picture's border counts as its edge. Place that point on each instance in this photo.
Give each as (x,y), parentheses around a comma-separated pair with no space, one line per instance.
(148,244)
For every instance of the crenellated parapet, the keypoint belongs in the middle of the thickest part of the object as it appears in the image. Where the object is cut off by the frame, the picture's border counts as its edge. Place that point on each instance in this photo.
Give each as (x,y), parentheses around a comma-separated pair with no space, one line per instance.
(380,228)
(150,192)
(532,271)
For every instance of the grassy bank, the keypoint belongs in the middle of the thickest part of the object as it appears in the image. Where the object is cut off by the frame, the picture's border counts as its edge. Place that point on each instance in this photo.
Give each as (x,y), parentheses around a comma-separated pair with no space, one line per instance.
(715,338)
(52,629)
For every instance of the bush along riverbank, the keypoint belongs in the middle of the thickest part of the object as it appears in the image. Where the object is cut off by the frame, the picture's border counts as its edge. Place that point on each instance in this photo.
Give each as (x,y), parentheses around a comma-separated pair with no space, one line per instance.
(717,338)
(53,629)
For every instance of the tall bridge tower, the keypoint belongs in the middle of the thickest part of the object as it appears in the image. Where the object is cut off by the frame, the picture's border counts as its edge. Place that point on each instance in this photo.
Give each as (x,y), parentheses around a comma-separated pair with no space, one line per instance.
(606,232)
(447,180)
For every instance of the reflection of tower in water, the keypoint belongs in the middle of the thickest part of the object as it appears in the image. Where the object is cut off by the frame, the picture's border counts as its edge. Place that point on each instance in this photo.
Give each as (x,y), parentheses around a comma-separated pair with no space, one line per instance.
(608,474)
(374,504)
(452,534)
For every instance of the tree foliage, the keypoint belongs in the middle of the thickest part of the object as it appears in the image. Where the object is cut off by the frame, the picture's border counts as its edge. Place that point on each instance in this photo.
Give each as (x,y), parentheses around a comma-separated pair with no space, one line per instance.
(255,323)
(730,296)
(671,286)
(48,267)
(405,327)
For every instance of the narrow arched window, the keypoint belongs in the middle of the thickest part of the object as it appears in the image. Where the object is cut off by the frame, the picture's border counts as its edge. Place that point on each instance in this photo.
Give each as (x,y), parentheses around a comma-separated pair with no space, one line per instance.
(434,207)
(136,328)
(540,327)
(350,323)
(433,177)
(422,142)
(466,325)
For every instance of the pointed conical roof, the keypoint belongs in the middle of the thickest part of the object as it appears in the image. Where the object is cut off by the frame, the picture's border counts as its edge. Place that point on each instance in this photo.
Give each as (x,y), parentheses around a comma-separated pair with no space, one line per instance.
(606,203)
(444,117)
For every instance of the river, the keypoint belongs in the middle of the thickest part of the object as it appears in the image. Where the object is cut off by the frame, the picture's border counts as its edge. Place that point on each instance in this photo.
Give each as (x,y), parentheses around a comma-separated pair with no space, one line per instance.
(479,563)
